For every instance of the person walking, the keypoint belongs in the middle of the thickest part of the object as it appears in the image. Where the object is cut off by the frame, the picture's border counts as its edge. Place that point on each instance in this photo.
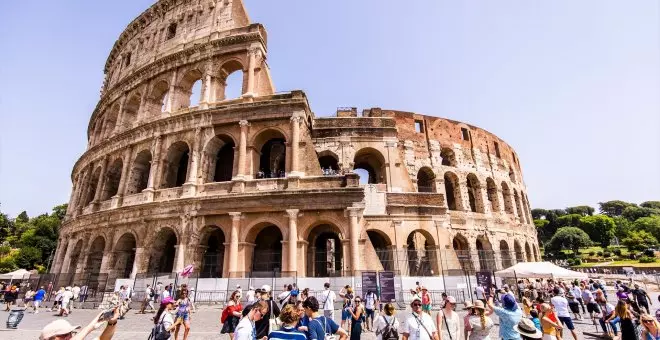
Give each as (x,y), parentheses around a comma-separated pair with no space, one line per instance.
(625,318)
(11,295)
(28,298)
(346,308)
(65,304)
(76,295)
(320,326)
(148,300)
(560,304)
(509,314)
(386,325)
(448,321)
(426,301)
(357,316)
(182,314)
(592,306)
(370,303)
(246,328)
(577,293)
(288,331)
(38,299)
(263,325)
(549,324)
(608,316)
(419,325)
(642,297)
(328,297)
(231,315)
(479,324)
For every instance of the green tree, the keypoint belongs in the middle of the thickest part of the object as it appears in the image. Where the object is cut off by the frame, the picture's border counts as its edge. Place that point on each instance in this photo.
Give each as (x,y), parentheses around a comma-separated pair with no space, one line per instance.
(22,217)
(633,213)
(28,257)
(583,210)
(614,208)
(650,224)
(6,227)
(623,227)
(541,230)
(572,220)
(569,238)
(600,228)
(651,205)
(640,240)
(7,264)
(60,211)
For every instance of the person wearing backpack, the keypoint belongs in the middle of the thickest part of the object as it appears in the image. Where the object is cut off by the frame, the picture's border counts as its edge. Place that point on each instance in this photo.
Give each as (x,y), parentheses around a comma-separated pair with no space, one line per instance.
(163,321)
(149,295)
(321,327)
(386,326)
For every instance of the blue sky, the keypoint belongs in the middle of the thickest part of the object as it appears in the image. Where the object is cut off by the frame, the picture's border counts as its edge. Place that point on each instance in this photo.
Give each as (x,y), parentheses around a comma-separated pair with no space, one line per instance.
(573,86)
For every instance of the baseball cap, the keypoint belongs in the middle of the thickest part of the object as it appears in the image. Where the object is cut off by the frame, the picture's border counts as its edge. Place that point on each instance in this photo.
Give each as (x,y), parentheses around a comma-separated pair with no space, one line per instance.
(451,299)
(57,327)
(265,289)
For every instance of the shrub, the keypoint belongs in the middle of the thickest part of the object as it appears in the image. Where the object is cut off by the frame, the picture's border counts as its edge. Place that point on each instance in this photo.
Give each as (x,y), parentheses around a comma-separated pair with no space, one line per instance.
(607,254)
(577,261)
(592,253)
(600,253)
(617,252)
(649,252)
(647,259)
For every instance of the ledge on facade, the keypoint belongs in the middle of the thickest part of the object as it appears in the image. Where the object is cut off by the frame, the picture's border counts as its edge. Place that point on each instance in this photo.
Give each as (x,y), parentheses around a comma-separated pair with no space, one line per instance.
(380,126)
(415,203)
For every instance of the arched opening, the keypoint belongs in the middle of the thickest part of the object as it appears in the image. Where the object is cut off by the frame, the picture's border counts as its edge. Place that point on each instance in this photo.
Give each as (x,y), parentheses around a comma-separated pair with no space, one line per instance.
(506,194)
(521,213)
(98,130)
(95,257)
(525,206)
(486,254)
(139,179)
(421,254)
(112,179)
(325,258)
(462,250)
(131,109)
(163,251)
(272,160)
(111,120)
(383,248)
(512,175)
(176,165)
(448,157)
(219,155)
(452,191)
(329,163)
(373,162)
(520,257)
(75,256)
(92,185)
(125,255)
(536,253)
(474,194)
(505,253)
(425,180)
(493,198)
(234,85)
(267,256)
(191,87)
(528,252)
(158,98)
(213,248)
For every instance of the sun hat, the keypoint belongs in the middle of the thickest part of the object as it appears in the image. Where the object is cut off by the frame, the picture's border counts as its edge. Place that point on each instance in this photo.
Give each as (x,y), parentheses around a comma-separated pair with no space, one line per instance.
(57,327)
(451,299)
(479,304)
(526,327)
(265,289)
(509,302)
(416,298)
(423,288)
(468,305)
(166,301)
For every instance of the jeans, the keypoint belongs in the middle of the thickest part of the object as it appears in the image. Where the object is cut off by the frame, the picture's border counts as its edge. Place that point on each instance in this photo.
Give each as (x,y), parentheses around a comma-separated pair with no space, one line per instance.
(612,323)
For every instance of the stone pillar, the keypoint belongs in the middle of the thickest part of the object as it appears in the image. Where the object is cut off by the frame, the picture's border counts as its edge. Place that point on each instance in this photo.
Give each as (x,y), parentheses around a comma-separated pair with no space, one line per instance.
(293,240)
(354,234)
(63,243)
(117,199)
(252,54)
(153,171)
(206,92)
(101,183)
(242,149)
(180,258)
(190,187)
(391,146)
(233,243)
(143,104)
(120,115)
(171,93)
(106,261)
(295,145)
(67,257)
(139,262)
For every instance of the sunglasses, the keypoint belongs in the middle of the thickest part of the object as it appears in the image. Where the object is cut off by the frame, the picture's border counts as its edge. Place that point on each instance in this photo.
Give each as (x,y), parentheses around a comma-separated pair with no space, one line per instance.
(416,304)
(647,321)
(357,301)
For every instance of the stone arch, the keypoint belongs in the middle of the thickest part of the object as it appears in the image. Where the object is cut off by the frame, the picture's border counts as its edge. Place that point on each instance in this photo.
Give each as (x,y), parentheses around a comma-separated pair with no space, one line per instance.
(527,212)
(191,79)
(139,177)
(528,253)
(462,249)
(95,256)
(448,157)
(97,135)
(75,256)
(425,180)
(506,195)
(474,194)
(485,253)
(493,197)
(453,191)
(373,162)
(233,80)
(521,213)
(112,179)
(421,253)
(158,97)
(219,159)
(124,251)
(110,120)
(505,253)
(175,165)
(163,251)
(520,257)
(212,249)
(512,175)
(328,160)
(271,144)
(383,247)
(131,109)
(267,239)
(536,253)
(92,185)
(325,253)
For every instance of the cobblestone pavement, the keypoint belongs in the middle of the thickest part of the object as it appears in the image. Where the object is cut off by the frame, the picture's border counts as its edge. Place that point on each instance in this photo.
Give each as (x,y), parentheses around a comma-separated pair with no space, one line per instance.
(205,324)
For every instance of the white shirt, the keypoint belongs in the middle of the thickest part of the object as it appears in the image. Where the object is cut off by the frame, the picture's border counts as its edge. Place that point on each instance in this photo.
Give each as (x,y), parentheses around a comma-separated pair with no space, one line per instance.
(329,298)
(244,329)
(453,325)
(165,294)
(284,297)
(66,296)
(76,291)
(561,306)
(370,301)
(577,292)
(166,319)
(250,296)
(381,323)
(587,296)
(480,293)
(413,327)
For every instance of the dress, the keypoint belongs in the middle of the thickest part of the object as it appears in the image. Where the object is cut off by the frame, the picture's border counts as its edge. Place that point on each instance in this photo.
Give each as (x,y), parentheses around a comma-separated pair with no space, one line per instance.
(356,328)
(478,332)
(628,329)
(229,326)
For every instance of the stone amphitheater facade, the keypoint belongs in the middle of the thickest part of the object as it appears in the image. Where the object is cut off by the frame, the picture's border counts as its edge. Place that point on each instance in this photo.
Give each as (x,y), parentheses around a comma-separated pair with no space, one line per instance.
(258,185)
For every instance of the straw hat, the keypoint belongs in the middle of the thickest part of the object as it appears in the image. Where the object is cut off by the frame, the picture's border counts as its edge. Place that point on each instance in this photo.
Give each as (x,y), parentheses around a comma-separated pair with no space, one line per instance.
(526,327)
(479,305)
(468,305)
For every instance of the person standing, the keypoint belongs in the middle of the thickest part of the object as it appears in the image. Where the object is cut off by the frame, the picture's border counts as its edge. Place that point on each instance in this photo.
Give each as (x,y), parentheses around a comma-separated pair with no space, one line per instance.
(11,295)
(480,292)
(329,298)
(577,293)
(550,327)
(182,314)
(370,303)
(164,315)
(509,314)
(479,324)
(386,324)
(426,301)
(651,329)
(357,315)
(148,299)
(83,293)
(319,325)
(273,311)
(592,306)
(28,298)
(38,299)
(448,321)
(346,308)
(250,296)
(628,328)
(76,294)
(561,307)
(419,325)
(288,331)
(643,299)
(247,329)
(66,301)
(231,315)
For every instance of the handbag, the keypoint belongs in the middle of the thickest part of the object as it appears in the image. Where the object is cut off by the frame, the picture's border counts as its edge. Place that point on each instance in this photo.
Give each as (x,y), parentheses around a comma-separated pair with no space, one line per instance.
(274,323)
(326,335)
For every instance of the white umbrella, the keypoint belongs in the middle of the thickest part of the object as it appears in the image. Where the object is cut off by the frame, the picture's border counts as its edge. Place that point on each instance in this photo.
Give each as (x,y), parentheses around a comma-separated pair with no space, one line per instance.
(540,270)
(15,275)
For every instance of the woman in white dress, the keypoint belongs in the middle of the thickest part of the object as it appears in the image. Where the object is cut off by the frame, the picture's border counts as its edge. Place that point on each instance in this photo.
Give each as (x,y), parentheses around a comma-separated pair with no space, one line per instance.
(479,324)
(387,318)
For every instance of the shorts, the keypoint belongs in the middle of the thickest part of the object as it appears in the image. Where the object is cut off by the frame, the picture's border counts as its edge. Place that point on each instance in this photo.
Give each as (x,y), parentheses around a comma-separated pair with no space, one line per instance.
(345,314)
(426,308)
(566,320)
(185,317)
(592,307)
(370,313)
(575,307)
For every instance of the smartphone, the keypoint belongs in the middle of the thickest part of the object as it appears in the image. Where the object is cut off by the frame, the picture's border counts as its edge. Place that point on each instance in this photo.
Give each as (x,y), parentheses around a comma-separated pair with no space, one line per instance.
(107,315)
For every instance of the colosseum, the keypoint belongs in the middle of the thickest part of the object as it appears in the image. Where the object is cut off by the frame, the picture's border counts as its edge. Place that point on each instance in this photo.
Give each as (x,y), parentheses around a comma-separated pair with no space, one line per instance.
(179,171)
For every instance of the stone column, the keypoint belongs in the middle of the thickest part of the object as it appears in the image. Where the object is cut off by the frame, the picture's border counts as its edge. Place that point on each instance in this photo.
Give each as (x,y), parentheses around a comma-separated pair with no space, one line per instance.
(153,171)
(242,149)
(190,187)
(101,183)
(354,234)
(139,262)
(67,257)
(295,145)
(252,54)
(143,104)
(120,115)
(180,258)
(106,261)
(171,93)
(293,240)
(388,170)
(64,241)
(233,243)
(207,87)
(117,199)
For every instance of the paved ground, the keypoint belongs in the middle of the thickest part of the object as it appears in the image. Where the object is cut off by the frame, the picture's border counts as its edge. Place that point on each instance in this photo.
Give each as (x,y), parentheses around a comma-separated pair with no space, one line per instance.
(205,324)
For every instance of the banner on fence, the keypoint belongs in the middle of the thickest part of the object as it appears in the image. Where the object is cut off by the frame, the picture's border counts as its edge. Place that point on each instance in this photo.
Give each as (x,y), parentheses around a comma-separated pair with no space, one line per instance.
(387,289)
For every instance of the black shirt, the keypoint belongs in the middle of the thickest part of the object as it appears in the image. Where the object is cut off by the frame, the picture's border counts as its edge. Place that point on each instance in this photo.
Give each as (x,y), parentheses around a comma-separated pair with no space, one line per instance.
(640,295)
(263,324)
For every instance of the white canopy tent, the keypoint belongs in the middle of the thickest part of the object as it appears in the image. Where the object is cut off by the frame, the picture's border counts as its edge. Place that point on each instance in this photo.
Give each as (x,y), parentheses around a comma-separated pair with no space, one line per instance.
(15,275)
(539,270)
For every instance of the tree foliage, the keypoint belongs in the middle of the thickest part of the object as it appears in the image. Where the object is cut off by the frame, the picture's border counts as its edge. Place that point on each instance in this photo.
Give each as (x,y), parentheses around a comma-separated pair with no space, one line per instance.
(651,205)
(600,228)
(572,220)
(640,240)
(614,208)
(569,238)
(649,224)
(583,210)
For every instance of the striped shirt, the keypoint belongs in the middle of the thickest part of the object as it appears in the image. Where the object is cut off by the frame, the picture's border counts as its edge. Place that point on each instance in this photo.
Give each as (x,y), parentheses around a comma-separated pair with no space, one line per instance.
(287,333)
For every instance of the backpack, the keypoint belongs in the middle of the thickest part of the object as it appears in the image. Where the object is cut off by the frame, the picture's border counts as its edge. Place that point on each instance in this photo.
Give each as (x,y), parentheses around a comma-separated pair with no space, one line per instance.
(152,294)
(159,332)
(389,332)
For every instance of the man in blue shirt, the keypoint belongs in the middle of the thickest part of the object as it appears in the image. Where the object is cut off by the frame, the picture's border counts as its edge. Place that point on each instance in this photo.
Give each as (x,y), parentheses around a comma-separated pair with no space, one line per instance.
(509,315)
(319,325)
(38,299)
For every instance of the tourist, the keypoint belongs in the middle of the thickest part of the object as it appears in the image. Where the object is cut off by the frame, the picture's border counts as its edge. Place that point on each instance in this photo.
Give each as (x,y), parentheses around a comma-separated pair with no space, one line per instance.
(76,294)
(183,306)
(329,298)
(426,300)
(28,298)
(164,316)
(386,325)
(65,303)
(320,325)
(573,306)
(370,303)
(534,316)
(304,295)
(621,294)
(560,305)
(448,321)
(165,293)
(607,316)
(346,308)
(231,315)
(526,330)
(577,293)
(469,307)
(11,295)
(250,296)
(303,320)
(288,331)
(273,311)
(623,316)
(294,294)
(479,324)
(83,293)
(38,299)
(63,330)
(419,325)
(357,316)
(651,329)
(642,298)
(592,306)
(509,315)
(526,306)
(148,300)
(286,296)
(480,293)
(549,323)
